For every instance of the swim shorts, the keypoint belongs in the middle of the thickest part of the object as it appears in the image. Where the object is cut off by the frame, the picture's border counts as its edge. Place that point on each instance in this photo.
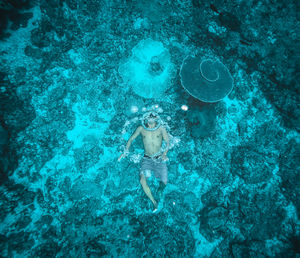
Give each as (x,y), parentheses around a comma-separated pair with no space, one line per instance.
(155,164)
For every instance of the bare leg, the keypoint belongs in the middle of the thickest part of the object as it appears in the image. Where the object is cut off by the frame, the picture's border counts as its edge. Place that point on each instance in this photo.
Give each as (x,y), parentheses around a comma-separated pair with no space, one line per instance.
(147,189)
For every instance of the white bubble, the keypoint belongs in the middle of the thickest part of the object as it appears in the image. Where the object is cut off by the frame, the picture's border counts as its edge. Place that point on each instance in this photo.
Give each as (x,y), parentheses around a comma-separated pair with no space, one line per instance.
(160,110)
(168,118)
(173,203)
(134,120)
(135,158)
(134,109)
(184,107)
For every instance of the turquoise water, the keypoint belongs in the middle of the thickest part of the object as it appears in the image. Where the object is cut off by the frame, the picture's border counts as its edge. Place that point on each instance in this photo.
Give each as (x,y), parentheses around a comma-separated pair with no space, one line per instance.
(76,79)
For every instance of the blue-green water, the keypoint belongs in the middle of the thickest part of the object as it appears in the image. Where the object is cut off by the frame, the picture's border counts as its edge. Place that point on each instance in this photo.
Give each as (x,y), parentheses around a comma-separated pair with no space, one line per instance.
(76,79)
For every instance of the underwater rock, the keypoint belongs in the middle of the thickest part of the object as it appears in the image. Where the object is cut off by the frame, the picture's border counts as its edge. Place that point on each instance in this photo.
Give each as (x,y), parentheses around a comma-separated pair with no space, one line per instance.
(47,249)
(49,59)
(33,52)
(230,21)
(259,216)
(191,202)
(20,20)
(19,115)
(285,99)
(154,11)
(51,183)
(213,222)
(53,10)
(213,197)
(110,188)
(8,205)
(39,38)
(149,69)
(185,157)
(3,242)
(253,215)
(61,115)
(250,248)
(45,24)
(196,3)
(41,199)
(22,223)
(4,137)
(20,74)
(44,220)
(28,197)
(223,249)
(216,174)
(15,4)
(173,238)
(65,185)
(18,242)
(174,201)
(289,161)
(72,4)
(12,13)
(201,121)
(50,232)
(93,248)
(249,165)
(89,8)
(4,167)
(84,188)
(83,163)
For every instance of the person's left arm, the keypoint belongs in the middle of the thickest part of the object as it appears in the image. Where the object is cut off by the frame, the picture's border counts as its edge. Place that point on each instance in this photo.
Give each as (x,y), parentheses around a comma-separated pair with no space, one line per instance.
(166,139)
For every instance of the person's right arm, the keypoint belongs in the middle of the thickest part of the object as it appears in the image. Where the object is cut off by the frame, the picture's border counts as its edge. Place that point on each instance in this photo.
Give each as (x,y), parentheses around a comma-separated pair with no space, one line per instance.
(132,137)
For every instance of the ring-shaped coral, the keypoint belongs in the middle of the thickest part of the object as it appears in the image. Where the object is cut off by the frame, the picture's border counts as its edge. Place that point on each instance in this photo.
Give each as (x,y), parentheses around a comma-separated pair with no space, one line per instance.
(149,69)
(206,79)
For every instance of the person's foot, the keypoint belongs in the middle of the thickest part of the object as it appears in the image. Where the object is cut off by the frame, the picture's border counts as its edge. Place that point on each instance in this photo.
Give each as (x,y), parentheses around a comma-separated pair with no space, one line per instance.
(155,206)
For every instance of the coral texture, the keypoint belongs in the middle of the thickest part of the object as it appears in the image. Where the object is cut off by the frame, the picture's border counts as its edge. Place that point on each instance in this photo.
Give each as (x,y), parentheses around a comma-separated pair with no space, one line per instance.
(149,69)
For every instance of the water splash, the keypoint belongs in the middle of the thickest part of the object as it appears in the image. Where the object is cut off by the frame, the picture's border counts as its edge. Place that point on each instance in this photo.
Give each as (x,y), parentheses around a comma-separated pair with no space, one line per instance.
(136,158)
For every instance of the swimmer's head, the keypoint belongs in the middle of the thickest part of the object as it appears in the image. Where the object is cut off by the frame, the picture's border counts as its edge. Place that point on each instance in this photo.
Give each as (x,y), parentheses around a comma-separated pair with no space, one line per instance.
(151,118)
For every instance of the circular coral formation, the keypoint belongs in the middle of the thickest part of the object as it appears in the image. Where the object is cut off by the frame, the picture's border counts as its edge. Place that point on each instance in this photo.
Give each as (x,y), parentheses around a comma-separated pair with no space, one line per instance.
(205,79)
(149,69)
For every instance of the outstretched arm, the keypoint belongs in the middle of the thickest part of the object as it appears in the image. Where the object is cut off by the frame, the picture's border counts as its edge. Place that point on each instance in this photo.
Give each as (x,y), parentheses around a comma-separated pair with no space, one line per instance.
(132,137)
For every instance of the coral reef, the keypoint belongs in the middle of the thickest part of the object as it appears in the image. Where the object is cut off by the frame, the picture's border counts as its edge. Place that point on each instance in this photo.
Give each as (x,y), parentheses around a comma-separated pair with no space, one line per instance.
(149,69)
(70,97)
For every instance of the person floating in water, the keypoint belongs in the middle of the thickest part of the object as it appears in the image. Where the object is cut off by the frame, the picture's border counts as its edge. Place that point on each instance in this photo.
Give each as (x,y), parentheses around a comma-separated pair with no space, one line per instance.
(154,159)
